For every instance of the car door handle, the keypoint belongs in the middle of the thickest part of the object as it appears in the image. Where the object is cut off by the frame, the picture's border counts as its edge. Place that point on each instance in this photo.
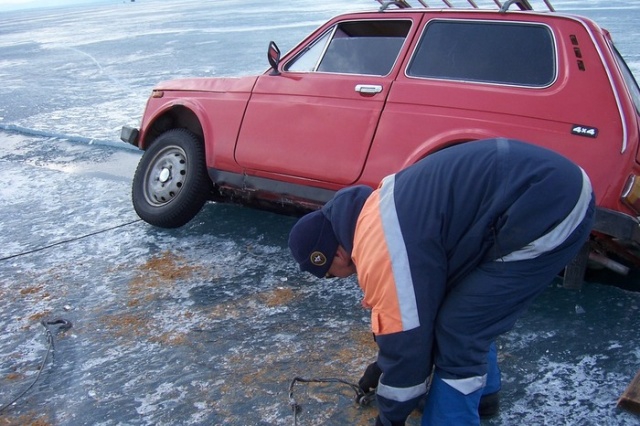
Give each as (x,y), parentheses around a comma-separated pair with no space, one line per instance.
(368,89)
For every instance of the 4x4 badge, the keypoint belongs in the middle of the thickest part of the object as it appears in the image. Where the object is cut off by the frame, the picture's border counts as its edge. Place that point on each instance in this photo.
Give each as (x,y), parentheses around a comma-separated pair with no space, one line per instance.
(590,132)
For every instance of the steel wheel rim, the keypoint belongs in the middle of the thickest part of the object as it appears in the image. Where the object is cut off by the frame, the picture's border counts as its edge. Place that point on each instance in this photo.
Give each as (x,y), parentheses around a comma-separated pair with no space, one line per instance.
(166,176)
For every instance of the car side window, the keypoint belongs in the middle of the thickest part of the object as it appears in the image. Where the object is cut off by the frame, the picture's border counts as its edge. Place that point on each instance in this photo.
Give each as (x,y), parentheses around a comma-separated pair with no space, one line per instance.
(492,52)
(356,47)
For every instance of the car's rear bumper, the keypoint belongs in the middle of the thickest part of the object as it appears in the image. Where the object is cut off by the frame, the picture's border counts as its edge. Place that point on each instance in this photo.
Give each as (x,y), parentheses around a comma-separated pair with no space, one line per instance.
(130,135)
(618,225)
(614,233)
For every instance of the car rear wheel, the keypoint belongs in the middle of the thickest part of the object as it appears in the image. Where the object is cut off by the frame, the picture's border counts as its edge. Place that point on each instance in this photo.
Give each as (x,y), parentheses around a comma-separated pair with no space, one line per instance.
(171,183)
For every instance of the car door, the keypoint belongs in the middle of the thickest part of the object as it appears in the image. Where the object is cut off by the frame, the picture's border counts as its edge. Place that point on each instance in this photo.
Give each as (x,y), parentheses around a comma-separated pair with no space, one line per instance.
(316,119)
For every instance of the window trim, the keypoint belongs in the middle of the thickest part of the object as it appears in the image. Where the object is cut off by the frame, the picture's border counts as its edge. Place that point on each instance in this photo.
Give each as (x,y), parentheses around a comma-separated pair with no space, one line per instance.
(628,77)
(489,83)
(332,30)
(329,33)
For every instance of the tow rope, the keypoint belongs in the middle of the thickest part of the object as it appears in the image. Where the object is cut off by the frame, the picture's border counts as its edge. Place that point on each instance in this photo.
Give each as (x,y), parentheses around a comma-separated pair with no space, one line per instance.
(91,234)
(362,398)
(63,326)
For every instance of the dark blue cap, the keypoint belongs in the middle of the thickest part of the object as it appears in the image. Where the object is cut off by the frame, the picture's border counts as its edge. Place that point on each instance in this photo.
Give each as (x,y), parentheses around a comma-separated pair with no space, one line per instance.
(313,243)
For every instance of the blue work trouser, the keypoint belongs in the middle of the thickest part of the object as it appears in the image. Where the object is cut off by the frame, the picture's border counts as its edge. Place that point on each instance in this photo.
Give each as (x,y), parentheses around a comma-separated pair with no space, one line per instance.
(482,306)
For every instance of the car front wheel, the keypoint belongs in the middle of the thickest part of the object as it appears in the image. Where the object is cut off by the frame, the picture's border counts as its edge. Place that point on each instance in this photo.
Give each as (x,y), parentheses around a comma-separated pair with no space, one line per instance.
(171,183)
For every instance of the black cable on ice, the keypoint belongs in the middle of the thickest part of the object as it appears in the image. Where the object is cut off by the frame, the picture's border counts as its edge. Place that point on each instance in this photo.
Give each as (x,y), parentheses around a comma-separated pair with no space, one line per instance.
(102,231)
(361,397)
(64,325)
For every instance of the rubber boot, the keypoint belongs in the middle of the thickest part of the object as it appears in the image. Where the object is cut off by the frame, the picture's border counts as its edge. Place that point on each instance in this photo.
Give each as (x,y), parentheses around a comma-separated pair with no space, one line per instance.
(448,406)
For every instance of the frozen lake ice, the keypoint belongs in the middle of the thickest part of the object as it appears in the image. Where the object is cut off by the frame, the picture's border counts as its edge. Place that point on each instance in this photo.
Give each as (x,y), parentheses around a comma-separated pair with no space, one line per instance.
(209,323)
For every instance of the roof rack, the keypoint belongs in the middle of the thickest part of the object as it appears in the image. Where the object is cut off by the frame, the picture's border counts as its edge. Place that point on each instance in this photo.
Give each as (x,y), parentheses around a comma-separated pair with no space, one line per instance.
(504,6)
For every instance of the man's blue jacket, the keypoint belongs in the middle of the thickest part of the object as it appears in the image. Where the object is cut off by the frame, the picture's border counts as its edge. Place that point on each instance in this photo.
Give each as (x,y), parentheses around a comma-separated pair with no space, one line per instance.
(428,226)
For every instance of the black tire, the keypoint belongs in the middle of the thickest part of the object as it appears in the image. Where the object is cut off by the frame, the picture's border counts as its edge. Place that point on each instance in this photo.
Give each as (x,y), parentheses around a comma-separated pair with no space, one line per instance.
(171,183)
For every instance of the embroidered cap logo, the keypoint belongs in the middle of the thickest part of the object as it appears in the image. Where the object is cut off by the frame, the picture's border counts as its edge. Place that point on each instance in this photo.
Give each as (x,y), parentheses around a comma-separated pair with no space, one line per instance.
(318,258)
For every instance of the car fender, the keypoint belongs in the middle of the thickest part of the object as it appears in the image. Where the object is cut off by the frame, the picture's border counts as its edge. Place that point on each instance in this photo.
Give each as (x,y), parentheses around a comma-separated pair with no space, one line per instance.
(162,115)
(215,119)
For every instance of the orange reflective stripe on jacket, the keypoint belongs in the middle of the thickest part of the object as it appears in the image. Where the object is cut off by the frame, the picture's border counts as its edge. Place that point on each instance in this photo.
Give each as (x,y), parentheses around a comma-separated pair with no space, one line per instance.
(383,267)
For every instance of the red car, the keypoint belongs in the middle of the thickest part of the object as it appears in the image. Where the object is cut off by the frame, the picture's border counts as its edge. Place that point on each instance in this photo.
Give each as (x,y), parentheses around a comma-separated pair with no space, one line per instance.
(369,93)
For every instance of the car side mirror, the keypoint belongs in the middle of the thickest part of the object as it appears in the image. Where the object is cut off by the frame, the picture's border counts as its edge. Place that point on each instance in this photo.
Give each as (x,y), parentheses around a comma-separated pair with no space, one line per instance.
(273,55)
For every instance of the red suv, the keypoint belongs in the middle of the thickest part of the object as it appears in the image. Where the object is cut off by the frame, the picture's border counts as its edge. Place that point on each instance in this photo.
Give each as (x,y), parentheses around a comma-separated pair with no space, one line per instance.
(369,93)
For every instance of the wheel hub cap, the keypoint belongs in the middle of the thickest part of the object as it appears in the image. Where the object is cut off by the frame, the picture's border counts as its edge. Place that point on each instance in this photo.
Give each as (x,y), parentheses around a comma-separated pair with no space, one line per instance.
(165,175)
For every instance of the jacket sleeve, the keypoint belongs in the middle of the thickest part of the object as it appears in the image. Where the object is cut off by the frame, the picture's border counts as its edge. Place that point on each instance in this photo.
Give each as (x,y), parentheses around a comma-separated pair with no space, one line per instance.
(403,277)
(406,357)
(405,361)
(403,315)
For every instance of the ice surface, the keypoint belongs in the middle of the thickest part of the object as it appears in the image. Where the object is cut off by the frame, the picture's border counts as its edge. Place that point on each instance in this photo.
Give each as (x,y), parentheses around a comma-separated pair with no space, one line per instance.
(209,323)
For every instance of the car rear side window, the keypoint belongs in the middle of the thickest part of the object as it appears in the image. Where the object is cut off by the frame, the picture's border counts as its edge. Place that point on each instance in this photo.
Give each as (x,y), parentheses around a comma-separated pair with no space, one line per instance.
(356,47)
(492,52)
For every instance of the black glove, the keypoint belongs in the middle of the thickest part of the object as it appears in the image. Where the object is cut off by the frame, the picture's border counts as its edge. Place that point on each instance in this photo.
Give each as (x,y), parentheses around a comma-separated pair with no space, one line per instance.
(370,378)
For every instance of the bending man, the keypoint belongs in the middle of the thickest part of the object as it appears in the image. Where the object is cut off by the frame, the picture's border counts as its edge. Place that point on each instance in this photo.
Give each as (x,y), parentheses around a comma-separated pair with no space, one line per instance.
(449,253)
